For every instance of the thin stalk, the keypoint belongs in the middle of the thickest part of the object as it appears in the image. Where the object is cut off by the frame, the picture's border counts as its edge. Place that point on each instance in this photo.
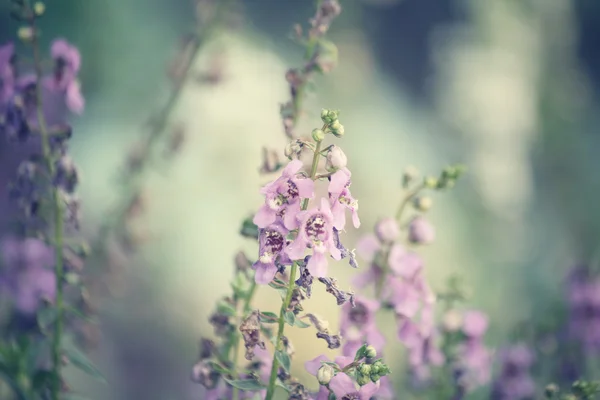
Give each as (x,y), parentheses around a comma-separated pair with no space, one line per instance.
(236,345)
(411,195)
(290,289)
(58,218)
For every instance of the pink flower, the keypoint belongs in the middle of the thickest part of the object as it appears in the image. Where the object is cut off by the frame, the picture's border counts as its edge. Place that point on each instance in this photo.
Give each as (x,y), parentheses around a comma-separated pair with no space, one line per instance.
(387,230)
(421,231)
(282,197)
(475,323)
(404,263)
(358,325)
(341,199)
(344,388)
(315,232)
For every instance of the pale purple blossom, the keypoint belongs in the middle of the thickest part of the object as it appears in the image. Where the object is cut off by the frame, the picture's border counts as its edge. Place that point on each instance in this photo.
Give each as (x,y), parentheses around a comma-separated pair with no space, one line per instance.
(344,388)
(515,381)
(421,231)
(358,325)
(64,79)
(315,232)
(7,75)
(341,199)
(272,241)
(387,230)
(283,196)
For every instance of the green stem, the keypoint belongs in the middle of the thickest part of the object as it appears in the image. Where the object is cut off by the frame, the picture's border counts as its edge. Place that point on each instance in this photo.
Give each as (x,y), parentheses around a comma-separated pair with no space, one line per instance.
(411,195)
(236,345)
(58,218)
(290,289)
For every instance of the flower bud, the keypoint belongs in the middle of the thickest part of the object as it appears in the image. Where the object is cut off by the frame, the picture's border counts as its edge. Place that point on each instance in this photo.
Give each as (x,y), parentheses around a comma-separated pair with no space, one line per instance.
(292,149)
(370,352)
(318,135)
(328,116)
(336,159)
(375,378)
(25,33)
(423,203)
(431,182)
(39,8)
(325,373)
(365,369)
(387,230)
(362,379)
(421,231)
(375,368)
(337,129)
(551,390)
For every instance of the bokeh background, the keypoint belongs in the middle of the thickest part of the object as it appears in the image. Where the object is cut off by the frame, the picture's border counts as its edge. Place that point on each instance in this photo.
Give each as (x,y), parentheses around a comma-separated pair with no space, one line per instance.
(507,87)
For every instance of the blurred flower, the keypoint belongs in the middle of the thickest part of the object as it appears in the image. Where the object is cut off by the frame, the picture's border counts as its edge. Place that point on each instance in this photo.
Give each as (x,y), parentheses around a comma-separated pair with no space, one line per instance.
(421,231)
(515,381)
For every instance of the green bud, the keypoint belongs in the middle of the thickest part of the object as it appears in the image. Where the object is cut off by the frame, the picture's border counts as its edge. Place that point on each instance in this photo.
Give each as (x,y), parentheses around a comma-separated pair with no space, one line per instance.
(318,135)
(375,368)
(39,8)
(365,369)
(374,377)
(551,390)
(363,380)
(325,373)
(329,116)
(423,203)
(339,132)
(431,182)
(25,33)
(370,352)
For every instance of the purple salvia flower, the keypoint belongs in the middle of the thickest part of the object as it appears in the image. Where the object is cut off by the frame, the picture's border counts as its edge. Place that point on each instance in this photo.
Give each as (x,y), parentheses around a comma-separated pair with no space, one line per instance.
(282,197)
(315,232)
(341,199)
(344,388)
(420,231)
(272,241)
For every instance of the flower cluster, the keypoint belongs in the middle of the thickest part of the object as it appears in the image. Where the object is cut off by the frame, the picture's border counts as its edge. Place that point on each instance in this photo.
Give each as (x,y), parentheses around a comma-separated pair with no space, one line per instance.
(583,296)
(515,381)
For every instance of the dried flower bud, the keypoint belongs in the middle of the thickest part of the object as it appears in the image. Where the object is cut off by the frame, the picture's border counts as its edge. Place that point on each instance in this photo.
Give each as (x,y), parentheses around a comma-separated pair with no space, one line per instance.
(242,263)
(318,135)
(250,328)
(336,159)
(387,230)
(423,203)
(341,296)
(370,352)
(66,174)
(204,374)
(270,161)
(325,373)
(293,149)
(333,341)
(320,324)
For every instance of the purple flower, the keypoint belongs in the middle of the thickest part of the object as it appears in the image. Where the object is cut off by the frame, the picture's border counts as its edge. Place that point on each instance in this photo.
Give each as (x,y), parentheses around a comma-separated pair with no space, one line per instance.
(475,324)
(387,230)
(474,364)
(67,65)
(404,263)
(367,247)
(282,197)
(26,275)
(358,325)
(7,76)
(315,232)
(312,366)
(344,388)
(421,231)
(341,199)
(272,241)
(515,381)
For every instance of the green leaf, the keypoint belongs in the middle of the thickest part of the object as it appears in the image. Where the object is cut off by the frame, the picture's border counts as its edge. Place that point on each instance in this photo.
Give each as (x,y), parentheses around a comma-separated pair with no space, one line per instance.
(246,384)
(219,368)
(301,324)
(268,317)
(290,318)
(240,284)
(361,352)
(80,314)
(284,359)
(249,229)
(282,385)
(46,317)
(226,308)
(80,360)
(42,379)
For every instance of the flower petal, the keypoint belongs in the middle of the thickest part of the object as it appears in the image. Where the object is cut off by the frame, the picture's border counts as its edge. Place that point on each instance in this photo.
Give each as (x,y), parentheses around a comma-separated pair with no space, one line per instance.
(341,385)
(312,366)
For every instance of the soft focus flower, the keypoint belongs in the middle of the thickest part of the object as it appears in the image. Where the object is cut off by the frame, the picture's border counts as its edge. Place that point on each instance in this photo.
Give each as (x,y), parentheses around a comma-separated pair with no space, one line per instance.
(387,230)
(421,231)
(336,159)
(7,76)
(515,381)
(583,296)
(344,388)
(282,197)
(341,199)
(475,323)
(358,326)
(315,232)
(26,273)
